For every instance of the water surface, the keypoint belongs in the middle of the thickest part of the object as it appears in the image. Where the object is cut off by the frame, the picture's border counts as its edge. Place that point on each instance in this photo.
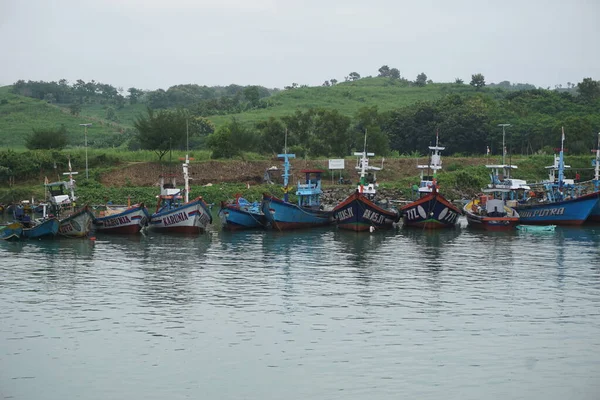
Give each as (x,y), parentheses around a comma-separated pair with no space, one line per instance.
(317,314)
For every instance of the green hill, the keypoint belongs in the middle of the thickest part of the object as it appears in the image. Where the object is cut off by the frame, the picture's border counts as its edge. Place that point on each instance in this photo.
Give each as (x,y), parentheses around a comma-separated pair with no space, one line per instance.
(347,98)
(20,114)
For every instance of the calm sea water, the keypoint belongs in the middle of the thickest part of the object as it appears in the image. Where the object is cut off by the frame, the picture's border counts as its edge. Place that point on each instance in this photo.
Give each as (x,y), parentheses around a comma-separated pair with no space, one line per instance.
(305,315)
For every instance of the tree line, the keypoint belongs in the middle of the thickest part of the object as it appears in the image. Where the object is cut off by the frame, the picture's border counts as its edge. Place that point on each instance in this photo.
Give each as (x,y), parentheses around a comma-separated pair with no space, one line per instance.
(468,124)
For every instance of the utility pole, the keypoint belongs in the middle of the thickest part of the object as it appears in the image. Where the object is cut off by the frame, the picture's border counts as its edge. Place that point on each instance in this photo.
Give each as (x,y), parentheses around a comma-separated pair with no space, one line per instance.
(86,157)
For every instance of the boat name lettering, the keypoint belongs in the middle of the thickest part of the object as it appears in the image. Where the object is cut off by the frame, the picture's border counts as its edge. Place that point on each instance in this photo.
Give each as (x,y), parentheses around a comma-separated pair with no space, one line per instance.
(175,218)
(204,220)
(451,217)
(117,221)
(344,214)
(543,213)
(66,228)
(373,216)
(411,214)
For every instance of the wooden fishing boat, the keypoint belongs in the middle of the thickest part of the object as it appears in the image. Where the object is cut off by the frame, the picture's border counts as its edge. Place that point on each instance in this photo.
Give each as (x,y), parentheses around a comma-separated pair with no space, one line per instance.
(126,219)
(175,213)
(241,214)
(73,221)
(561,201)
(431,210)
(361,211)
(41,228)
(490,214)
(11,232)
(307,213)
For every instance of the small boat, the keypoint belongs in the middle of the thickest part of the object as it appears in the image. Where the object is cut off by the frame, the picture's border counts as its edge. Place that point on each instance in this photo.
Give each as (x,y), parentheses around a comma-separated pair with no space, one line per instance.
(595,214)
(360,211)
(431,210)
(559,201)
(175,213)
(307,213)
(126,219)
(11,232)
(73,221)
(490,214)
(536,228)
(46,227)
(241,214)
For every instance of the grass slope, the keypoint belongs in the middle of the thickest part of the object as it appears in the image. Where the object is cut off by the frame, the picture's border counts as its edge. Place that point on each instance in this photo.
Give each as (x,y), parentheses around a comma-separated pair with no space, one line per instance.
(347,98)
(19,114)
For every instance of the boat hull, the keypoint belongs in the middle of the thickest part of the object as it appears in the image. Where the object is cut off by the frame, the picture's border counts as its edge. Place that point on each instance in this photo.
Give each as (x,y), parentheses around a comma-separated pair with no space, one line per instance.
(492,223)
(595,214)
(11,232)
(78,224)
(234,218)
(45,229)
(287,216)
(358,213)
(567,212)
(129,221)
(191,218)
(431,211)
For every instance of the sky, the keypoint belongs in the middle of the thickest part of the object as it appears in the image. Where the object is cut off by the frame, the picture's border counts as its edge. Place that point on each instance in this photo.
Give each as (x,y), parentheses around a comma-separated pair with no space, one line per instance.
(151,44)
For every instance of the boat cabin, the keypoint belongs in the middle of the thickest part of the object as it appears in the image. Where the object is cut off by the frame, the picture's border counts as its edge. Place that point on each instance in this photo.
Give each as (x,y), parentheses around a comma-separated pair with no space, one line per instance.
(309,190)
(60,193)
(368,175)
(427,183)
(553,170)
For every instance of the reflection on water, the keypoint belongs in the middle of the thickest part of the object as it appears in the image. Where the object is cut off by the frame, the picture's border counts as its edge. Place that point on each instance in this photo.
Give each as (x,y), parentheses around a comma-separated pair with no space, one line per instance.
(308,314)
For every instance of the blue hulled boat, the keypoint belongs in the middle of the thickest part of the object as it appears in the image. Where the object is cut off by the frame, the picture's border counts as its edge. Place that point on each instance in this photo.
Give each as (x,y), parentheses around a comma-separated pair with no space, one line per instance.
(307,213)
(241,214)
(595,214)
(43,228)
(11,232)
(560,201)
(431,210)
(360,211)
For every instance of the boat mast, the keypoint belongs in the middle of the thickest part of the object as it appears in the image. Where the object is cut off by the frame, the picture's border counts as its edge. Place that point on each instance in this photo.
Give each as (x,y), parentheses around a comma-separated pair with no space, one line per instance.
(286,168)
(561,160)
(186,176)
(597,166)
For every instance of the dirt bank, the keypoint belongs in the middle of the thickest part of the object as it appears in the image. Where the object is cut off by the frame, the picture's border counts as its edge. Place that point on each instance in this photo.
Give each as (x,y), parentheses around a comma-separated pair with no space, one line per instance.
(202,173)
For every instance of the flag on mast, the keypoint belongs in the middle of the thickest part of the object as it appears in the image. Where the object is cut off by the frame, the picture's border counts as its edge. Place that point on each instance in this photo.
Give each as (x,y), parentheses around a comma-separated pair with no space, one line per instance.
(563,133)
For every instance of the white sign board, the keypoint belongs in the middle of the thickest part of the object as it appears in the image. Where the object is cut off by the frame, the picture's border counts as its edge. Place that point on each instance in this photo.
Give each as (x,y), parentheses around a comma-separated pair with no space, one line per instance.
(336,164)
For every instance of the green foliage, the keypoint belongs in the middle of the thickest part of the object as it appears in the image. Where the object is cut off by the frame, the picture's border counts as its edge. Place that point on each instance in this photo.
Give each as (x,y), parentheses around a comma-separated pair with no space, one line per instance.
(47,139)
(161,130)
(421,79)
(477,80)
(231,140)
(589,89)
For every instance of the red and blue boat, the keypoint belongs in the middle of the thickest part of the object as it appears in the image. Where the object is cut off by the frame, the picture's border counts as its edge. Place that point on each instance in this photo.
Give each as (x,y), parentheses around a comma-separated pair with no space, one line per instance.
(560,202)
(360,211)
(431,210)
(241,214)
(307,212)
(126,219)
(175,213)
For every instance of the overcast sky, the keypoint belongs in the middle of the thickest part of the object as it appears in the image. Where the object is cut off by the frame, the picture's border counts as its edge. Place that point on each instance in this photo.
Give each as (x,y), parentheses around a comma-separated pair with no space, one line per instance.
(152,44)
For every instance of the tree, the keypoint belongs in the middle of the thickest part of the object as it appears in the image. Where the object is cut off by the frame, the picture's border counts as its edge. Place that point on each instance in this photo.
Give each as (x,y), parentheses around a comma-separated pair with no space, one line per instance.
(394,73)
(161,130)
(384,71)
(477,80)
(326,83)
(111,114)
(47,139)
(421,79)
(354,76)
(252,95)
(75,109)
(272,135)
(589,89)
(459,81)
(333,81)
(231,140)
